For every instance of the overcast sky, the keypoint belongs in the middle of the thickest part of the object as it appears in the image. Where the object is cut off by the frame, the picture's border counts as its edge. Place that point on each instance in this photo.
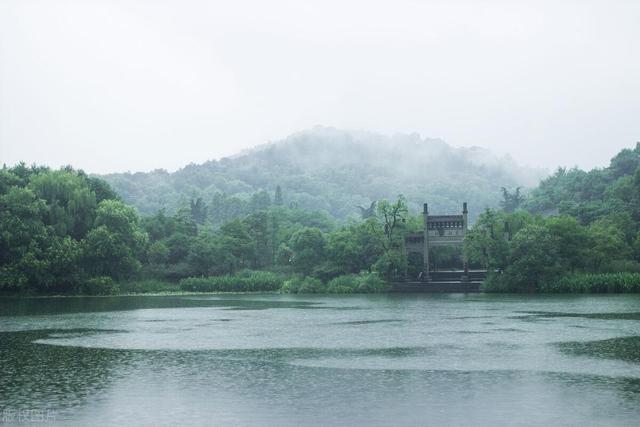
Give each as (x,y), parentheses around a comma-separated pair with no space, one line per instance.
(138,85)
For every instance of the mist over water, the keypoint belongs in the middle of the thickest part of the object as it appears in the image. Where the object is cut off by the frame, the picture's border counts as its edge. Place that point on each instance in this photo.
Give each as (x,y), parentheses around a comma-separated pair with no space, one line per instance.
(284,360)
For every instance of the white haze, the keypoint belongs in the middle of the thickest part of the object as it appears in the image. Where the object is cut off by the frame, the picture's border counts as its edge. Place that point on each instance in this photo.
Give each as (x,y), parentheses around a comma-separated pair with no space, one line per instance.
(137,85)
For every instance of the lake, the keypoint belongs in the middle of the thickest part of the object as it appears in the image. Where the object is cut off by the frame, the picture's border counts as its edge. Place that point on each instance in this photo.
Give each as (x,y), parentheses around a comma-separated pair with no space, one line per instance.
(321,360)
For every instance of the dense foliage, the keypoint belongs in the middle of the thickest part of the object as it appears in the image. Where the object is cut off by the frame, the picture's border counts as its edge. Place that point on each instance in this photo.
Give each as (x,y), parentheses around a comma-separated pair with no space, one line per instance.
(252,281)
(594,283)
(345,284)
(578,229)
(325,169)
(308,247)
(591,195)
(61,231)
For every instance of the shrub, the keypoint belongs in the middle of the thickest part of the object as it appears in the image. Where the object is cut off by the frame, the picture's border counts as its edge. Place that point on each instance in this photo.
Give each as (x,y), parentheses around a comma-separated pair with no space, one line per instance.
(496,282)
(622,266)
(370,283)
(325,272)
(357,283)
(148,286)
(345,284)
(594,283)
(300,285)
(245,281)
(101,285)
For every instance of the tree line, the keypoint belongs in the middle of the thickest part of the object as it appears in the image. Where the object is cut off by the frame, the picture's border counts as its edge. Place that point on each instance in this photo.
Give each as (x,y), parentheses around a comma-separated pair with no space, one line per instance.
(575,223)
(64,231)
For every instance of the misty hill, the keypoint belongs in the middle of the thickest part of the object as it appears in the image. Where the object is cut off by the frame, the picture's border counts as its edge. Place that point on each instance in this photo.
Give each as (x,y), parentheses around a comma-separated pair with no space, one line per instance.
(332,170)
(595,194)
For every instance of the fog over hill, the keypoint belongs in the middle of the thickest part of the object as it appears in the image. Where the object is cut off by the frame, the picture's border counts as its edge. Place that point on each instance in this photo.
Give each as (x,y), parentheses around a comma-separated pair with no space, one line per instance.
(333,170)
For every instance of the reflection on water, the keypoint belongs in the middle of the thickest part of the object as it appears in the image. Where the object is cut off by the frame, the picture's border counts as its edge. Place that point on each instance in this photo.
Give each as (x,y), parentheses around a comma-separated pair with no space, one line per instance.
(605,316)
(285,360)
(44,377)
(366,322)
(625,348)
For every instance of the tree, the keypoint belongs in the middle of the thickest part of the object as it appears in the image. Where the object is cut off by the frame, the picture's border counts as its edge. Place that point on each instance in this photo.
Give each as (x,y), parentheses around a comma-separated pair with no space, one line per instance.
(208,256)
(238,242)
(23,239)
(390,227)
(260,201)
(64,271)
(573,242)
(70,202)
(100,188)
(369,212)
(533,257)
(114,246)
(179,245)
(511,201)
(606,243)
(277,199)
(626,162)
(487,243)
(354,248)
(198,210)
(308,248)
(158,253)
(260,228)
(123,221)
(393,216)
(105,253)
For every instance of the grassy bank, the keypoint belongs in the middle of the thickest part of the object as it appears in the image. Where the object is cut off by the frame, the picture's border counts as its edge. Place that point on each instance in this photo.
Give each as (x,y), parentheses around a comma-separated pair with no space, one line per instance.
(594,283)
(243,282)
(263,281)
(575,283)
(251,281)
(362,283)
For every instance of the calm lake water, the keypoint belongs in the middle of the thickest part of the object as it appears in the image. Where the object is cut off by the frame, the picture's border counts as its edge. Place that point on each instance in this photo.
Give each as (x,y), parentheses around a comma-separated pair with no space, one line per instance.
(286,360)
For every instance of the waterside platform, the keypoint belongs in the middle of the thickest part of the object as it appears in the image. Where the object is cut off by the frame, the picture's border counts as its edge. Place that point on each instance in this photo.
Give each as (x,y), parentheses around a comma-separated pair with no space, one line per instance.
(444,282)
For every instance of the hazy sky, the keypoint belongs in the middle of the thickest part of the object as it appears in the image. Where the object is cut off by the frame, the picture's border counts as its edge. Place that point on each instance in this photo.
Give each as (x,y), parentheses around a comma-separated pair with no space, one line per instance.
(137,85)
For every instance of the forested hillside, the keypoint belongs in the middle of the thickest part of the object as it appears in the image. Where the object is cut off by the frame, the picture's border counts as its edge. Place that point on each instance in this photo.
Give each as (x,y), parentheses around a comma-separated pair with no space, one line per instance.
(588,238)
(62,231)
(593,194)
(331,170)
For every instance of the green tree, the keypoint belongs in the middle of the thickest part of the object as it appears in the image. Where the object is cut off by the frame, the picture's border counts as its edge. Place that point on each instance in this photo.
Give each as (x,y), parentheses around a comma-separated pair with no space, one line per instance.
(113,248)
(278,200)
(198,210)
(23,238)
(158,253)
(390,226)
(308,249)
(393,216)
(70,202)
(534,258)
(626,162)
(260,228)
(511,201)
(238,242)
(487,243)
(606,243)
(208,256)
(260,201)
(354,248)
(573,242)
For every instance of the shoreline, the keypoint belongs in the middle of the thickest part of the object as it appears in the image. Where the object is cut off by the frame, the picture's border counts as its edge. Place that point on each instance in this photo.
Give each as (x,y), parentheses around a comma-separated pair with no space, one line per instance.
(135,294)
(187,293)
